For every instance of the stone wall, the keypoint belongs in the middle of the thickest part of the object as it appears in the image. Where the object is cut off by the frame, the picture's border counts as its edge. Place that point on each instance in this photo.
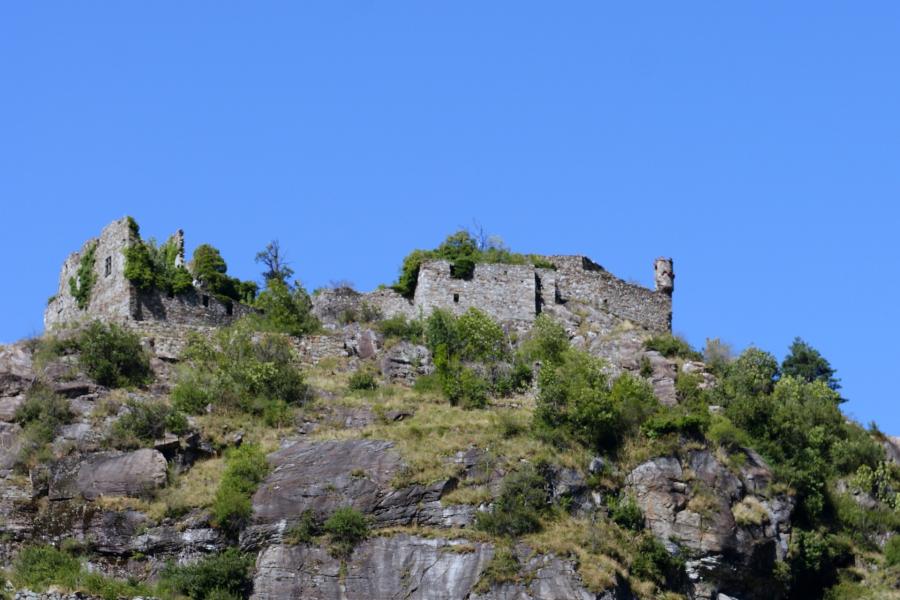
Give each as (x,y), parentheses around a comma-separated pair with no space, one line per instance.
(111,293)
(506,292)
(114,298)
(590,284)
(167,340)
(191,308)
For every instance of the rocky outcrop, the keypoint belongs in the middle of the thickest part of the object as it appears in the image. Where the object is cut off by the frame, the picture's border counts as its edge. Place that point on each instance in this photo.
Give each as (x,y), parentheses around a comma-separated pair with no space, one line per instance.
(729,524)
(415,568)
(325,476)
(108,474)
(384,567)
(405,362)
(16,375)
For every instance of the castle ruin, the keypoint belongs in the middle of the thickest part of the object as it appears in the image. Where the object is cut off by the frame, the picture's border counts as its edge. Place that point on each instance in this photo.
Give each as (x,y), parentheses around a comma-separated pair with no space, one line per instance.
(114,298)
(511,294)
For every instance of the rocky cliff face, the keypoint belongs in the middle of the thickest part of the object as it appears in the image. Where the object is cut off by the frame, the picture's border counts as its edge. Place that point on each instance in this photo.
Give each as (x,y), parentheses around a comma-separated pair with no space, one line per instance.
(420,472)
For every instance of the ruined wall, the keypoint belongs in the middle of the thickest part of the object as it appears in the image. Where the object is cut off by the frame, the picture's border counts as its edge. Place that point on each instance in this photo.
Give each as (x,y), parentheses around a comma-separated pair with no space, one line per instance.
(114,298)
(506,292)
(578,278)
(111,292)
(190,308)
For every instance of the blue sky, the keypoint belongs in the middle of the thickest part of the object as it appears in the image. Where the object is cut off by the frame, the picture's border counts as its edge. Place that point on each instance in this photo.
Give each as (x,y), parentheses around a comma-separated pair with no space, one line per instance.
(756,143)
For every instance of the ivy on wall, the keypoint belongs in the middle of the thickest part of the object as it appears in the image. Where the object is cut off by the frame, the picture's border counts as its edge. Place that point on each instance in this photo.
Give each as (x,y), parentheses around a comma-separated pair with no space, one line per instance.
(81,284)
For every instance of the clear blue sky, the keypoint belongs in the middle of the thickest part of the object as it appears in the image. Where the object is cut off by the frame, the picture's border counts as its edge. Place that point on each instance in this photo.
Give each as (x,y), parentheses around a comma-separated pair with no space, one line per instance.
(756,143)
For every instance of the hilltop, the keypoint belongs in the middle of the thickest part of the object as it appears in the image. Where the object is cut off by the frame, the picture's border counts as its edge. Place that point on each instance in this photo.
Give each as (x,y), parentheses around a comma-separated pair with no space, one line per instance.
(491,425)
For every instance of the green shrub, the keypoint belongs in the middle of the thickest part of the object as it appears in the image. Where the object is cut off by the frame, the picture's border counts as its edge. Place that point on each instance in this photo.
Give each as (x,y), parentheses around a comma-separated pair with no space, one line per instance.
(226,573)
(82,283)
(654,563)
(210,268)
(625,512)
(573,396)
(463,252)
(240,370)
(672,346)
(677,421)
(305,530)
(813,559)
(37,567)
(524,497)
(246,467)
(285,310)
(362,380)
(400,327)
(41,415)
(113,356)
(503,568)
(346,528)
(482,339)
(144,423)
(892,551)
(726,435)
(149,266)
(547,341)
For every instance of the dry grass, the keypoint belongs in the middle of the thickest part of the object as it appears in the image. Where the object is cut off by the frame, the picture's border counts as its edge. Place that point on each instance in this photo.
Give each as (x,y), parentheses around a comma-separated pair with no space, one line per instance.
(750,511)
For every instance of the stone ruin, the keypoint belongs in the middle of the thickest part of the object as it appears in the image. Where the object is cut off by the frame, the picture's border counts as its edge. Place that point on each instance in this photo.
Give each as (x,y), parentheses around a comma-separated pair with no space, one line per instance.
(511,294)
(515,294)
(114,298)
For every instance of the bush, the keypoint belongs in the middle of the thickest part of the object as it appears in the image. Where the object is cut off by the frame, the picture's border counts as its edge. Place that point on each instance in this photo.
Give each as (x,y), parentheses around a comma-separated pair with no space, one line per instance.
(37,567)
(346,528)
(305,530)
(210,268)
(625,512)
(144,423)
(547,342)
(224,575)
(463,252)
(40,415)
(672,346)
(892,551)
(150,267)
(246,467)
(242,371)
(285,310)
(654,563)
(82,283)
(503,568)
(112,356)
(573,396)
(482,339)
(399,327)
(524,496)
(362,380)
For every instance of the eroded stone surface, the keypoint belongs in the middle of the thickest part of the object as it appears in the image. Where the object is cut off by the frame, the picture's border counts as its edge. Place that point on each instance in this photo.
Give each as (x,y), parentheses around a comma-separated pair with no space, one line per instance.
(108,474)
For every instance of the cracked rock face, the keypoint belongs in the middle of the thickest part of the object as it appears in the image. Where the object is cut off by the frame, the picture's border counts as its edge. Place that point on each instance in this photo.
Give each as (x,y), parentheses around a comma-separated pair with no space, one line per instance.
(386,567)
(108,474)
(325,476)
(415,568)
(728,524)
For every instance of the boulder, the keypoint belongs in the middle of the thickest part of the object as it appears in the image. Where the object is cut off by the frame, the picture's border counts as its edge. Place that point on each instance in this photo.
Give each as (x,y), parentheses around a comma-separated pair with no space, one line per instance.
(108,474)
(364,343)
(405,362)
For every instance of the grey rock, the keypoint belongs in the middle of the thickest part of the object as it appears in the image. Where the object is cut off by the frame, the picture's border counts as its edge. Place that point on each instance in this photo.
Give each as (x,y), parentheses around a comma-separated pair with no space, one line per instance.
(324,476)
(108,474)
(405,362)
(688,504)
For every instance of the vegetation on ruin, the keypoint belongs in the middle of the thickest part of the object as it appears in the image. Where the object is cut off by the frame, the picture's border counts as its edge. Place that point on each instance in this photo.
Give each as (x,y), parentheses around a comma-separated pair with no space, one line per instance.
(463,250)
(150,266)
(81,284)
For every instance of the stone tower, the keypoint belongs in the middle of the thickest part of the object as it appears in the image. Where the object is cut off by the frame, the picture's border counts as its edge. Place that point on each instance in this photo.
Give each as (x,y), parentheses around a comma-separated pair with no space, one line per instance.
(664,275)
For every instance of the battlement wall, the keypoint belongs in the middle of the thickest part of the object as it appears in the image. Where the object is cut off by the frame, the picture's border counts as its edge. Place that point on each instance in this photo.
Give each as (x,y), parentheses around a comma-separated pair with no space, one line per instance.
(506,292)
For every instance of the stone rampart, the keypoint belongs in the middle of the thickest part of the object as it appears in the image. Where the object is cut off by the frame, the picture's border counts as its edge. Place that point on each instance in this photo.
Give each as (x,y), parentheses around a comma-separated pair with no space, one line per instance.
(506,292)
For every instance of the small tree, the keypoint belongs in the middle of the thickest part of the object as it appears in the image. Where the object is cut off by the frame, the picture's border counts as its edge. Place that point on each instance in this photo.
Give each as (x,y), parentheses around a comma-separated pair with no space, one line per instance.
(277,266)
(804,362)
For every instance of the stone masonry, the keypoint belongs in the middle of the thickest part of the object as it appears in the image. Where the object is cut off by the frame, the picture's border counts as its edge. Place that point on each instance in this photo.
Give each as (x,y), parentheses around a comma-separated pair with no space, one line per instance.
(114,298)
(516,294)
